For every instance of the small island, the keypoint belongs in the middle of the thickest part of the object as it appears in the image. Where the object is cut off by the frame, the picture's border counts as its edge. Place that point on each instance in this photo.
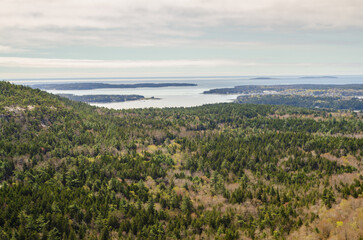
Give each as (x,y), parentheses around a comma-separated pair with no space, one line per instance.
(102,98)
(262,78)
(90,86)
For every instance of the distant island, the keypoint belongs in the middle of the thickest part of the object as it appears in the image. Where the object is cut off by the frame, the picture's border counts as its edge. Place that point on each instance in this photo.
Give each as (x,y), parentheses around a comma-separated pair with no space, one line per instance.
(102,98)
(261,78)
(301,89)
(89,86)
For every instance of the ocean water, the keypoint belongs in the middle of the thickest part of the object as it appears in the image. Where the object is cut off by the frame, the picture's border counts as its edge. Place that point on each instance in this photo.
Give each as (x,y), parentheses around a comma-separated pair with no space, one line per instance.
(184,96)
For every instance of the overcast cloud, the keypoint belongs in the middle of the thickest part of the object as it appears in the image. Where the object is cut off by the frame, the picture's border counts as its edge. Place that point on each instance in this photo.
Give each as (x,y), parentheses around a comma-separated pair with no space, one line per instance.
(82,63)
(27,26)
(133,21)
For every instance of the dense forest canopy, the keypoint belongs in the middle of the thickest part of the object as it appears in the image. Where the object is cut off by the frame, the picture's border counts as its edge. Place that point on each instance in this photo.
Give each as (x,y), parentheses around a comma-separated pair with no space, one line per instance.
(305,101)
(223,171)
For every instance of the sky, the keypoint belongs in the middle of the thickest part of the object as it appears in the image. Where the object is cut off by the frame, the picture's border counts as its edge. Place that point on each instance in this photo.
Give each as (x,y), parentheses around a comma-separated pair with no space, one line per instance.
(155,38)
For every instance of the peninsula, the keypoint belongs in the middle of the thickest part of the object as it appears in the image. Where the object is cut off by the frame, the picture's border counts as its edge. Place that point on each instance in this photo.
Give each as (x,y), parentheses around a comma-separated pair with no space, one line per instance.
(337,97)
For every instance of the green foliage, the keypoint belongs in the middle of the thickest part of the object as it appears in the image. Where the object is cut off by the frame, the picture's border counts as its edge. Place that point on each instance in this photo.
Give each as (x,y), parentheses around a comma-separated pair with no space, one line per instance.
(305,101)
(72,171)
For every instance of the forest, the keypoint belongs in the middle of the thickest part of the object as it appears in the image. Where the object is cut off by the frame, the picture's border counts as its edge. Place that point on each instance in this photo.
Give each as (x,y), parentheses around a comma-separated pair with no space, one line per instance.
(69,170)
(304,101)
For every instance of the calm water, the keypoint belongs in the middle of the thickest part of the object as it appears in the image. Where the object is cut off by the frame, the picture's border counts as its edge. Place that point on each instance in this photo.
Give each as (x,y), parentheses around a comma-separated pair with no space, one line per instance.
(184,96)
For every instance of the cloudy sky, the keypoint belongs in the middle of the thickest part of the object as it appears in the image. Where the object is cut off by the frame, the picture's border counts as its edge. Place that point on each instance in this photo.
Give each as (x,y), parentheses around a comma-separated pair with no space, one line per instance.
(122,38)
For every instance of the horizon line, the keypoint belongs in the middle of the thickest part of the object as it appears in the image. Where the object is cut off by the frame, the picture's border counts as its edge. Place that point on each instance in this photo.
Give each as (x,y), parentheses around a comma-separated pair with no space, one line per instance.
(181,77)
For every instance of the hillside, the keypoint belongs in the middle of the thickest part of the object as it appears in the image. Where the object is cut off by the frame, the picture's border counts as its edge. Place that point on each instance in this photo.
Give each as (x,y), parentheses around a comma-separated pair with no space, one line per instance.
(224,171)
(305,101)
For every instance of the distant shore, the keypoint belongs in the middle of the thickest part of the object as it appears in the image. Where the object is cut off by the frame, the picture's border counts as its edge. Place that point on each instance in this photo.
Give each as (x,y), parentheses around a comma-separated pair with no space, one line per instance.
(103,98)
(90,86)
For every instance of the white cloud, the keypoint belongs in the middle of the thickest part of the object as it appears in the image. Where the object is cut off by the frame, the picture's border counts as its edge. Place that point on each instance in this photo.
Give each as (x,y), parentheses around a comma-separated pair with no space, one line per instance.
(108,64)
(145,22)
(9,49)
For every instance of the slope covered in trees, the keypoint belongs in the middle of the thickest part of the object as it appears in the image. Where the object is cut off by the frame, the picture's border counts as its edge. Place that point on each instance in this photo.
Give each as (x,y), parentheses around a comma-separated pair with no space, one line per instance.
(225,171)
(305,101)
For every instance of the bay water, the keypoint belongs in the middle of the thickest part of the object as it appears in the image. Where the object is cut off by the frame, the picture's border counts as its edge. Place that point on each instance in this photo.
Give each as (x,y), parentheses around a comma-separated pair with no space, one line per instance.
(187,96)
